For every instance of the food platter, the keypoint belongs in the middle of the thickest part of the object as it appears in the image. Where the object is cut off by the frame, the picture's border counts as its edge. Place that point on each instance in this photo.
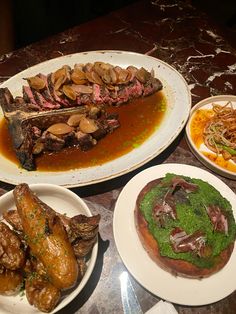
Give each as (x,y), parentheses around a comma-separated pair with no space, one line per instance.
(203,153)
(63,201)
(178,100)
(178,290)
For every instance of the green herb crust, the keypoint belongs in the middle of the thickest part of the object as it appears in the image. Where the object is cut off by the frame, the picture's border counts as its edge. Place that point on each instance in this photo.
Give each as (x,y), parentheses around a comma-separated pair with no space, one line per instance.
(191,216)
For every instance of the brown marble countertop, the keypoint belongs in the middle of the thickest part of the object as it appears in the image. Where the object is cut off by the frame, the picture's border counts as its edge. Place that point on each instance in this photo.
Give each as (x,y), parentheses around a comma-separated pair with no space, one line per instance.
(204,53)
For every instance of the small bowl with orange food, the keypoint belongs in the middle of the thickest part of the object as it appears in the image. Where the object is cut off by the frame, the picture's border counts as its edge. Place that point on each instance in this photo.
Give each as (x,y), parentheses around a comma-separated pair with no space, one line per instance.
(211,134)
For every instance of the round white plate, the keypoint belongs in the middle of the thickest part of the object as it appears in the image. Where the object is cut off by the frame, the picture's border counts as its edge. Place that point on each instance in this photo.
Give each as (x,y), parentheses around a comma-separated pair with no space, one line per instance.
(178,99)
(199,151)
(141,266)
(63,201)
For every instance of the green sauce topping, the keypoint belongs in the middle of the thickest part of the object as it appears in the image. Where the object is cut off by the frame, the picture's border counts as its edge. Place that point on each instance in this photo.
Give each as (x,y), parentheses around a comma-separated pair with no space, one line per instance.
(191,216)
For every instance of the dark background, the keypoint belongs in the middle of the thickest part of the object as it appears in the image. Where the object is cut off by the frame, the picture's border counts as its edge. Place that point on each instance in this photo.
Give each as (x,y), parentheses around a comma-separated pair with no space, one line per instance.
(25,21)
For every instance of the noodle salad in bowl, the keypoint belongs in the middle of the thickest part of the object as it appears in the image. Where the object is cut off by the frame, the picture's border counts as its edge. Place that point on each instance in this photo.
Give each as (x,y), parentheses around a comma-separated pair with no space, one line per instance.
(211,133)
(220,132)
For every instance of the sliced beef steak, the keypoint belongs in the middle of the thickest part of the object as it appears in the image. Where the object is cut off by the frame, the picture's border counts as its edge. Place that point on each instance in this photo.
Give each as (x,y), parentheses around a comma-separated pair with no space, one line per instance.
(68,107)
(34,132)
(98,83)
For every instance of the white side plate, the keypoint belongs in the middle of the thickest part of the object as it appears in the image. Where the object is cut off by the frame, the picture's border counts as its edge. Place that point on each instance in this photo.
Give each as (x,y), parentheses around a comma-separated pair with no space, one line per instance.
(159,282)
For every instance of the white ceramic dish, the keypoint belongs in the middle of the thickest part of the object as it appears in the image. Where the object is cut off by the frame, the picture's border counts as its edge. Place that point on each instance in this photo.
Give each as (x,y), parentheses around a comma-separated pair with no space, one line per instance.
(202,150)
(63,201)
(159,282)
(178,99)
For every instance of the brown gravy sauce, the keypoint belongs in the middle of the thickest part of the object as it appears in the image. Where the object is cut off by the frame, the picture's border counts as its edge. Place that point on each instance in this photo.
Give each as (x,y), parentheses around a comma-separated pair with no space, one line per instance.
(138,120)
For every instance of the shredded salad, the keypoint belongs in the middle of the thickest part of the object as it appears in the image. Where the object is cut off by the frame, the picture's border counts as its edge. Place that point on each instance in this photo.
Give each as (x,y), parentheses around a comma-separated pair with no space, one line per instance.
(220,132)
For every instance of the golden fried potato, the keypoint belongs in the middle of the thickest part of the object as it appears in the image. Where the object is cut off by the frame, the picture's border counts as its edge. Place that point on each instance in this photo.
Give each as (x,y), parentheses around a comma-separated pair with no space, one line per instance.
(11,254)
(46,238)
(41,293)
(13,218)
(10,282)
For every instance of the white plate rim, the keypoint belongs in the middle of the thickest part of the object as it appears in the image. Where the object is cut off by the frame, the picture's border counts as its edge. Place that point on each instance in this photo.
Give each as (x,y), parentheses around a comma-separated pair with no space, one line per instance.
(210,164)
(42,189)
(107,171)
(184,291)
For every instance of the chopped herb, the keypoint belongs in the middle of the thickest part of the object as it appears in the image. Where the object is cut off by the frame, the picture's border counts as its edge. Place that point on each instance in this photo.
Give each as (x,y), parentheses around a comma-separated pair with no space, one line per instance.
(192,216)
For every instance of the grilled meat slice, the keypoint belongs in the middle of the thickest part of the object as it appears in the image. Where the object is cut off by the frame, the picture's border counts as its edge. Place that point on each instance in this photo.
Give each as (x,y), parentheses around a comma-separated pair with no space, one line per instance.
(53,98)
(6,100)
(34,132)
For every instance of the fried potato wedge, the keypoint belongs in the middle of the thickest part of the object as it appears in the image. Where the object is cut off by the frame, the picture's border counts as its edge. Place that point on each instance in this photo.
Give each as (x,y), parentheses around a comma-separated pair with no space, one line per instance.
(46,238)
(12,255)
(41,293)
(10,282)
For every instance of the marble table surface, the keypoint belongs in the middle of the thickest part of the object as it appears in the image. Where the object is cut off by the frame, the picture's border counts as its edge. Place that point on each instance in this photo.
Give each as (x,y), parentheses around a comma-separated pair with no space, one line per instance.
(204,53)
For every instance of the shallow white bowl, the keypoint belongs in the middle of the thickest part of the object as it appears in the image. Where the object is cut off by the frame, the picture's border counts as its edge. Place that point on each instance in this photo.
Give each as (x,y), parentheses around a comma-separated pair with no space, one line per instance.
(63,201)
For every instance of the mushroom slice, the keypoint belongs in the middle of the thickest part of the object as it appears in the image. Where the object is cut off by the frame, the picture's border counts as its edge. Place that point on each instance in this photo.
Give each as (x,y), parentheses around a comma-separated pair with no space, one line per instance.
(79,66)
(113,75)
(106,77)
(112,87)
(124,76)
(38,148)
(61,76)
(106,66)
(69,91)
(78,76)
(88,67)
(97,67)
(59,82)
(67,71)
(58,93)
(87,125)
(93,77)
(133,70)
(101,67)
(60,129)
(84,89)
(74,119)
(36,82)
(143,75)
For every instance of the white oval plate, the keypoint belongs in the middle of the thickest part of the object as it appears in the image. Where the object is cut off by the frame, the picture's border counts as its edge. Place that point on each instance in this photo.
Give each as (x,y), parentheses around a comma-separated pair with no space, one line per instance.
(199,152)
(178,98)
(159,282)
(63,201)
